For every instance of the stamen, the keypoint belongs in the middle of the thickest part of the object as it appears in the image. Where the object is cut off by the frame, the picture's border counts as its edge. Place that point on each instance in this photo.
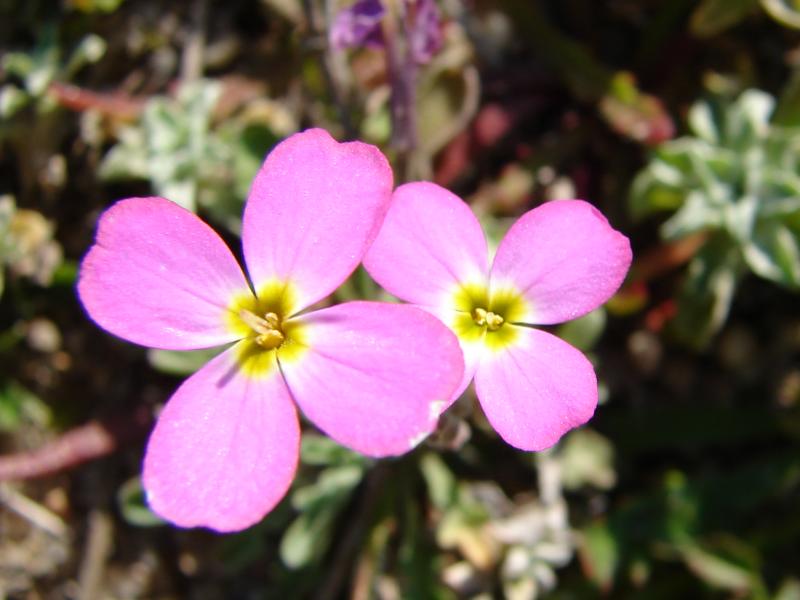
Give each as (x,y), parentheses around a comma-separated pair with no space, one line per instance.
(254,322)
(270,339)
(267,327)
(493,321)
(483,317)
(479,316)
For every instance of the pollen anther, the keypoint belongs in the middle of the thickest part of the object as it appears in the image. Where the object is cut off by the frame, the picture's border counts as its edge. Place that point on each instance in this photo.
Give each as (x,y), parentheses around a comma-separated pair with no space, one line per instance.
(270,339)
(267,327)
(490,320)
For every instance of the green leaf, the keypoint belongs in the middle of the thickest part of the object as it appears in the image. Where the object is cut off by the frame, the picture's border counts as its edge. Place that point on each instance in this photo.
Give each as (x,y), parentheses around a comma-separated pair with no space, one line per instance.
(175,149)
(18,405)
(703,122)
(787,113)
(254,142)
(308,537)
(94,6)
(65,274)
(774,253)
(584,332)
(333,484)
(183,362)
(133,507)
(789,590)
(12,100)
(740,218)
(18,64)
(90,49)
(442,484)
(419,563)
(321,450)
(747,119)
(179,190)
(128,159)
(696,214)
(712,17)
(784,14)
(707,291)
(650,195)
(586,457)
(600,554)
(718,571)
(686,513)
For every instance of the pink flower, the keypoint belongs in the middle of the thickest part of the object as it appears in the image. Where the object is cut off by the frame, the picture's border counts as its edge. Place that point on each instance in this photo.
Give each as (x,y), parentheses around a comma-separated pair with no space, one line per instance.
(557,262)
(373,376)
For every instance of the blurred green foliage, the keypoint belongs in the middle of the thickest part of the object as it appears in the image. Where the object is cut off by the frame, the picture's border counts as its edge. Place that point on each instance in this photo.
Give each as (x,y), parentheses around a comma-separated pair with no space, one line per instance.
(737,179)
(712,17)
(29,74)
(177,147)
(27,247)
(687,481)
(319,502)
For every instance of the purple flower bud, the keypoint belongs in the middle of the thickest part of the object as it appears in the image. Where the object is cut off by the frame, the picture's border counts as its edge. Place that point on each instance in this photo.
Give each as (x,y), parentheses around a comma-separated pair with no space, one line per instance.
(358,25)
(426,32)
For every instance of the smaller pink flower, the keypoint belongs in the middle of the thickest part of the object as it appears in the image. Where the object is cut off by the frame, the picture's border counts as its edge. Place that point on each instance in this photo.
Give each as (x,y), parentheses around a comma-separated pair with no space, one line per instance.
(557,262)
(373,376)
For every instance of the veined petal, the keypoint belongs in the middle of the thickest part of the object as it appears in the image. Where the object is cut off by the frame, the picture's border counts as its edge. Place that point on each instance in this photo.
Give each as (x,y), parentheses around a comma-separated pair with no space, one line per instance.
(472,346)
(159,276)
(375,376)
(225,448)
(429,246)
(473,351)
(314,208)
(536,389)
(564,258)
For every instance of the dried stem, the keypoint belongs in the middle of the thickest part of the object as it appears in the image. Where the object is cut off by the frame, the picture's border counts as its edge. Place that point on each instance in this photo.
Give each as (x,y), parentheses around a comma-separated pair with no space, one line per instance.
(402,72)
(347,549)
(192,59)
(33,512)
(82,444)
(668,256)
(317,28)
(98,549)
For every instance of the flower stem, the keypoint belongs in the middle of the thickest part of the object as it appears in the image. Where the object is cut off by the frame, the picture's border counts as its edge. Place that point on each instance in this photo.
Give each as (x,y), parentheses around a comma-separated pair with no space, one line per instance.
(402,73)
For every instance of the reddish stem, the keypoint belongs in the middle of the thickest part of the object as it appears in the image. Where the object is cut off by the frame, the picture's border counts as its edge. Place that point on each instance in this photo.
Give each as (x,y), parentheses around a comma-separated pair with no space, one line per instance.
(82,444)
(79,99)
(668,256)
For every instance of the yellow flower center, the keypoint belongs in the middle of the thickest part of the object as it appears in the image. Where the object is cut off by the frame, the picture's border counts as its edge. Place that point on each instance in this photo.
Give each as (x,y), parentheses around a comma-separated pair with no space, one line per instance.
(265,326)
(269,334)
(488,315)
(483,317)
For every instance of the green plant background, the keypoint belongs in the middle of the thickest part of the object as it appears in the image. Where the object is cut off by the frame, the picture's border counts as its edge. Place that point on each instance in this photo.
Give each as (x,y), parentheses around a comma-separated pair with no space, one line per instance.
(679,119)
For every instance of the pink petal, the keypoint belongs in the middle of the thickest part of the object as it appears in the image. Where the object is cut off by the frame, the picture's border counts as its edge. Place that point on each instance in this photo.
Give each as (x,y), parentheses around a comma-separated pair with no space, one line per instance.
(472,349)
(313,210)
(376,376)
(536,389)
(564,258)
(473,352)
(224,450)
(430,243)
(158,276)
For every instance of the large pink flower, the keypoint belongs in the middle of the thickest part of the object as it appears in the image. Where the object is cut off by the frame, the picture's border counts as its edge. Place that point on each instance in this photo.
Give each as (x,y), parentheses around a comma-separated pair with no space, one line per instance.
(557,262)
(373,376)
